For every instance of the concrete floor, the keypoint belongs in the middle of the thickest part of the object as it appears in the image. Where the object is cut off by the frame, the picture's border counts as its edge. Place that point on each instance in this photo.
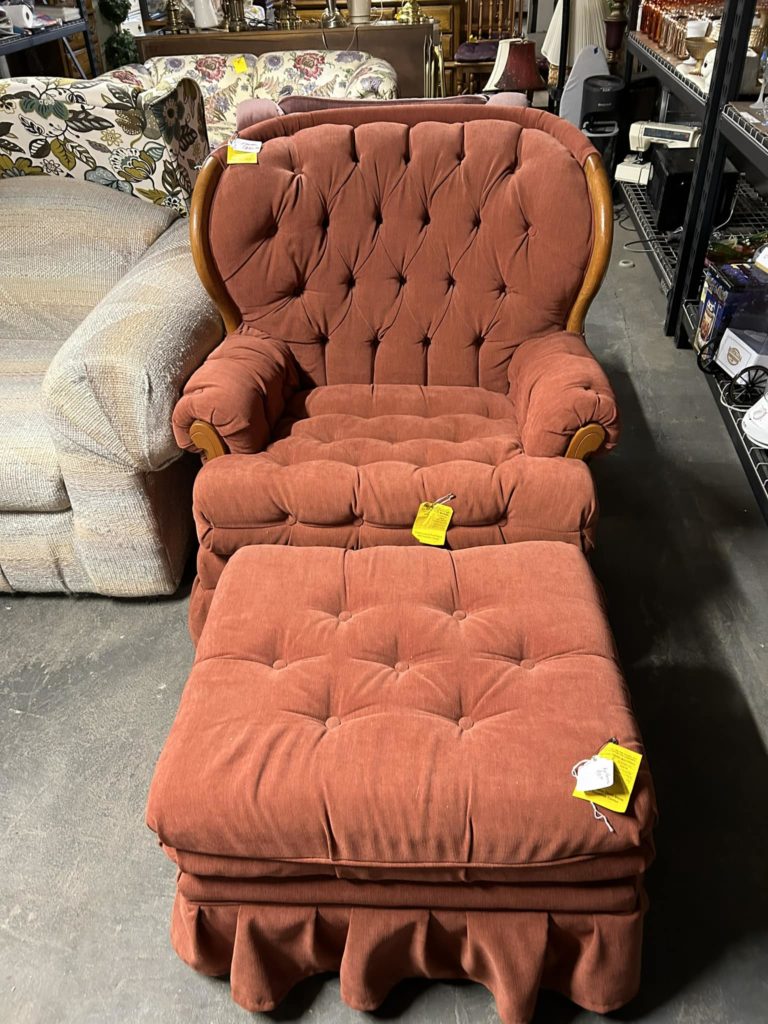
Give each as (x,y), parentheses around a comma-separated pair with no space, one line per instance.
(89,687)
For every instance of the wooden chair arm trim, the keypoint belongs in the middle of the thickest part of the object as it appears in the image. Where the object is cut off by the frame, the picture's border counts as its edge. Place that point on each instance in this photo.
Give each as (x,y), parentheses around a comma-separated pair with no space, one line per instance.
(586,441)
(207,438)
(602,226)
(199,214)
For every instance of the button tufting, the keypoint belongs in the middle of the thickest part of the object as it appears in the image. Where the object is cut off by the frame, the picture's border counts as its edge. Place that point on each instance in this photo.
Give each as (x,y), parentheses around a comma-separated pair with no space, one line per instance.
(345,616)
(333,722)
(465,723)
(527,663)
(459,614)
(401,666)
(298,290)
(377,218)
(479,340)
(427,219)
(351,283)
(358,521)
(290,520)
(426,342)
(279,663)
(402,279)
(451,282)
(322,339)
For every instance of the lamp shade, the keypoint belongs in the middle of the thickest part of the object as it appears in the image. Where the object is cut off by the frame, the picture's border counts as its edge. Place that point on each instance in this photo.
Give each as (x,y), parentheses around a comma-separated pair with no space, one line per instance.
(587,28)
(515,69)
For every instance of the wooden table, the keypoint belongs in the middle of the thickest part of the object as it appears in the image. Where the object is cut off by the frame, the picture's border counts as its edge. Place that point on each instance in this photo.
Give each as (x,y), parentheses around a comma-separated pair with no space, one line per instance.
(410,49)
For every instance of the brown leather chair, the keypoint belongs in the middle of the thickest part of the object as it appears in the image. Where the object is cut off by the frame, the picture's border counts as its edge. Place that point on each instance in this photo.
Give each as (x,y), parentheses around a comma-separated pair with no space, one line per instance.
(404,292)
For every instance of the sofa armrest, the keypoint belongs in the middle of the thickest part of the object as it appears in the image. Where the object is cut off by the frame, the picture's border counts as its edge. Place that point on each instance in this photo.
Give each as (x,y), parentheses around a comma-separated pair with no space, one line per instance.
(110,390)
(240,391)
(375,79)
(557,388)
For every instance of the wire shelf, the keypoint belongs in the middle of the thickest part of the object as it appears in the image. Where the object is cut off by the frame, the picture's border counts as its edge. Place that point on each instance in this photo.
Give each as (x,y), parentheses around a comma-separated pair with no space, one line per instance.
(649,54)
(750,212)
(749,137)
(663,253)
(753,458)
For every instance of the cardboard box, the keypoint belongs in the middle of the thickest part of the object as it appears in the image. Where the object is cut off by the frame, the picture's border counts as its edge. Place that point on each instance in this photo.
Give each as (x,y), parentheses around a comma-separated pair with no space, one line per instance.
(723,290)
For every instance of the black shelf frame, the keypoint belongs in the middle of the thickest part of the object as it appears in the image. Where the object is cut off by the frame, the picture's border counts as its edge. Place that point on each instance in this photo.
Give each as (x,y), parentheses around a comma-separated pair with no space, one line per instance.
(16,43)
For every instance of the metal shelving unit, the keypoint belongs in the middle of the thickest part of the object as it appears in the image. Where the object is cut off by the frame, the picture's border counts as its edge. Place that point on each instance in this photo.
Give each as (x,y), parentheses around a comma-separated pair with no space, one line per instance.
(17,43)
(753,459)
(725,122)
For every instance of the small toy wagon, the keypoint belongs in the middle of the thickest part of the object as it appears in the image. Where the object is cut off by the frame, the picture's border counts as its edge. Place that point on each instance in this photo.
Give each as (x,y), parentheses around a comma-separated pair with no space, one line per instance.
(743,355)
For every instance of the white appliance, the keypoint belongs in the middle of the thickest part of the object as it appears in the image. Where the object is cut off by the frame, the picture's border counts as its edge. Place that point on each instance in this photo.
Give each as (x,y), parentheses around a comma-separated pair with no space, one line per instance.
(644,134)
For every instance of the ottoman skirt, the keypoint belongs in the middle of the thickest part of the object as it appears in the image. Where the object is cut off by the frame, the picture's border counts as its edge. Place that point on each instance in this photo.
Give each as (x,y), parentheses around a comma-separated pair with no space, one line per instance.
(267,948)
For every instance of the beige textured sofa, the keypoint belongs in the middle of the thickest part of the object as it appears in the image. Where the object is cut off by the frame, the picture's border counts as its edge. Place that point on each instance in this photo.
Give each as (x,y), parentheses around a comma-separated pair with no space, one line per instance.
(102,320)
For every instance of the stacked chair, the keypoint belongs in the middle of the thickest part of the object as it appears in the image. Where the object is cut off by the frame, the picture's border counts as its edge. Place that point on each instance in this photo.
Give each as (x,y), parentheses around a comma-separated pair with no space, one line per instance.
(371,768)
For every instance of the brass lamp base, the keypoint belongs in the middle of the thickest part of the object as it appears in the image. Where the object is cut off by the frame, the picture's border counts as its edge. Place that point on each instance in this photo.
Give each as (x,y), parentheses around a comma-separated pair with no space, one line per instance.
(410,13)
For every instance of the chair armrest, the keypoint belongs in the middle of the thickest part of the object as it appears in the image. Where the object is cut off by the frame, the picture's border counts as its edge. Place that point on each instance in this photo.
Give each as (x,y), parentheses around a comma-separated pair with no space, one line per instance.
(558,387)
(374,79)
(110,390)
(240,391)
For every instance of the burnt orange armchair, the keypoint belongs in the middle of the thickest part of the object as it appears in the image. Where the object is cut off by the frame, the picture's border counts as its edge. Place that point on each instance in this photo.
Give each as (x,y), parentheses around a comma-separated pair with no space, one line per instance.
(404,293)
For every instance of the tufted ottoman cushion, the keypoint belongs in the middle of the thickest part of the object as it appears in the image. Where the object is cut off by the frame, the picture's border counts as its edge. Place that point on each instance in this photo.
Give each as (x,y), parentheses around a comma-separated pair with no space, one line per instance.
(395,728)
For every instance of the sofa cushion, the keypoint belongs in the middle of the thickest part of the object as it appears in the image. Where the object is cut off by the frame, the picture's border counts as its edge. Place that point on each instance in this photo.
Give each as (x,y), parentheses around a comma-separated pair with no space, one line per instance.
(400,714)
(65,244)
(321,73)
(30,476)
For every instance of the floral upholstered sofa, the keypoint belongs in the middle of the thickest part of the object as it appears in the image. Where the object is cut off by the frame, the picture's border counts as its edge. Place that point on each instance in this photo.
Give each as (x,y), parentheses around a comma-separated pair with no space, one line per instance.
(144,142)
(227,80)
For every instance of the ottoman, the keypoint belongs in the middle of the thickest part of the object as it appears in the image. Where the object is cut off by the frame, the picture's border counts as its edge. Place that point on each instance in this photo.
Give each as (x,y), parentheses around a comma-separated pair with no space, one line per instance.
(370,773)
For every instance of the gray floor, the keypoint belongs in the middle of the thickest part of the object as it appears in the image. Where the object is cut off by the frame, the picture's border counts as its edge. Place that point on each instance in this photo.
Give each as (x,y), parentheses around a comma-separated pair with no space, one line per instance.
(88,689)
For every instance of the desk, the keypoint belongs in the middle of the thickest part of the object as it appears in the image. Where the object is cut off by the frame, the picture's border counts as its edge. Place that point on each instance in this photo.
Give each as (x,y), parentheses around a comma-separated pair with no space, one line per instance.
(408,48)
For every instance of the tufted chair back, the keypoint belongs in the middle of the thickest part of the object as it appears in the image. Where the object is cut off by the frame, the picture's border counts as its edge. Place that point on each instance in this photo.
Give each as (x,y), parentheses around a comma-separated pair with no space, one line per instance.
(414,246)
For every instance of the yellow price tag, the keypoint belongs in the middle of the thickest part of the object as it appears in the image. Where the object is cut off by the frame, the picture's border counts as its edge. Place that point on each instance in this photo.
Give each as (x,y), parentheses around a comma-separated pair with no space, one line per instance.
(240,65)
(243,151)
(626,766)
(431,523)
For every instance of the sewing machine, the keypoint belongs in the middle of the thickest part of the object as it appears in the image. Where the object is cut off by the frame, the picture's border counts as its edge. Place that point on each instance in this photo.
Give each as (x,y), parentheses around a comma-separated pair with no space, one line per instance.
(643,135)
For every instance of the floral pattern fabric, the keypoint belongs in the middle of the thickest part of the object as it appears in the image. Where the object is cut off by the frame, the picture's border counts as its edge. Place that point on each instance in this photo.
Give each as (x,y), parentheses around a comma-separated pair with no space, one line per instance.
(117,131)
(227,80)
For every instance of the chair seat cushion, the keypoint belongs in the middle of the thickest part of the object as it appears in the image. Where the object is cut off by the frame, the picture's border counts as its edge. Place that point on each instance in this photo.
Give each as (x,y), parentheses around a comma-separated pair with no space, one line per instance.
(360,424)
(351,464)
(30,475)
(400,714)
